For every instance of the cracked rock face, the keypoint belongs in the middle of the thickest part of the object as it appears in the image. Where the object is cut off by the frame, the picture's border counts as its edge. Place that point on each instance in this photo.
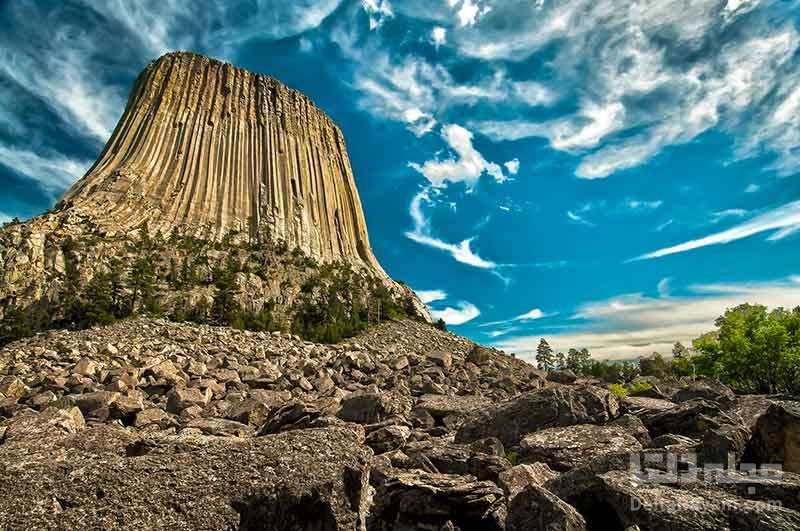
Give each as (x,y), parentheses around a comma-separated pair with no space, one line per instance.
(204,151)
(212,148)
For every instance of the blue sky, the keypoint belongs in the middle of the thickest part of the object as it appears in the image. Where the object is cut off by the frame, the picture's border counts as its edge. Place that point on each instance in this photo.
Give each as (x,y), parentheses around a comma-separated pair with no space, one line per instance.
(601,173)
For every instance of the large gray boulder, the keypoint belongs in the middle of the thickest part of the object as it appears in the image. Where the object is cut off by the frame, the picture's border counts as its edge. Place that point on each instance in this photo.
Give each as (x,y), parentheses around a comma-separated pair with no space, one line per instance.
(707,389)
(776,438)
(616,500)
(563,448)
(511,420)
(693,417)
(406,500)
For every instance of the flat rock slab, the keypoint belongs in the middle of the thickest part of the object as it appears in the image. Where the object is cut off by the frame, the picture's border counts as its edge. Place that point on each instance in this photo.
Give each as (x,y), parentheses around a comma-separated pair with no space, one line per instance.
(566,448)
(305,479)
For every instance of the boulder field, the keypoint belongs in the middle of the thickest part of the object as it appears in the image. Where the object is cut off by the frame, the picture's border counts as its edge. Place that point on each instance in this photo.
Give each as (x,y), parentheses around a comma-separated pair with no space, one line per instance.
(148,424)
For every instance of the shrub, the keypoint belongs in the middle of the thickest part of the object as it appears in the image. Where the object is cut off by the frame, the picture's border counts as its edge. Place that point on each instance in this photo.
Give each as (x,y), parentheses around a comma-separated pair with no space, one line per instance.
(618,389)
(638,387)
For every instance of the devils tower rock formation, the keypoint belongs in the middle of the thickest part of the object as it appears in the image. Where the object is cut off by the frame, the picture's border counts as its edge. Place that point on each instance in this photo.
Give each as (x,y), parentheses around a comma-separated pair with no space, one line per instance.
(222,196)
(209,148)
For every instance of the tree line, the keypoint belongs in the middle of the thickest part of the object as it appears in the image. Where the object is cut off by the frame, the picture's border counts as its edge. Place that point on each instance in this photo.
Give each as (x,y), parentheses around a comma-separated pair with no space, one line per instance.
(335,302)
(751,349)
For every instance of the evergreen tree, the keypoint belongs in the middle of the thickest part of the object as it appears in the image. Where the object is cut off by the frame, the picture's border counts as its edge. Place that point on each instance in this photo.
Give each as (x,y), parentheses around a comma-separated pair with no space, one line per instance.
(144,286)
(628,371)
(579,361)
(561,362)
(225,309)
(172,276)
(679,351)
(116,277)
(545,358)
(441,325)
(99,301)
(179,312)
(187,273)
(654,365)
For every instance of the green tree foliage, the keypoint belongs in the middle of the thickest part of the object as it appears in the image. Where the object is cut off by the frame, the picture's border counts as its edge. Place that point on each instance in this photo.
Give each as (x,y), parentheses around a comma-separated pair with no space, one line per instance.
(654,365)
(579,361)
(19,323)
(752,350)
(99,301)
(144,286)
(440,325)
(225,309)
(628,371)
(545,358)
(679,350)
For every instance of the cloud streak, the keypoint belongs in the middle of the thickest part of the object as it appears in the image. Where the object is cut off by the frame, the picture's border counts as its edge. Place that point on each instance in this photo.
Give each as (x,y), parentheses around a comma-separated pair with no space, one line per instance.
(784,220)
(461,252)
(462,313)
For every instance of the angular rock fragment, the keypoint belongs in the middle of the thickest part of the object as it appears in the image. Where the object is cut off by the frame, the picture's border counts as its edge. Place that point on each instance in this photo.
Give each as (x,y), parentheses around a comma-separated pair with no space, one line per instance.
(511,420)
(537,509)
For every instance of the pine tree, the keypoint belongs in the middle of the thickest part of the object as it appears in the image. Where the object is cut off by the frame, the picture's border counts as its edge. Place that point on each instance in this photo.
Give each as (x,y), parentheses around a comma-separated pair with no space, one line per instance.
(120,305)
(544,356)
(172,276)
(225,308)
(441,325)
(144,286)
(679,351)
(579,361)
(561,362)
(99,301)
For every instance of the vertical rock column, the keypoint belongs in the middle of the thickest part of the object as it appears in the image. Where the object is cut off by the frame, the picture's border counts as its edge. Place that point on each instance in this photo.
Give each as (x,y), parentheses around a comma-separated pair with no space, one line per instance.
(207,148)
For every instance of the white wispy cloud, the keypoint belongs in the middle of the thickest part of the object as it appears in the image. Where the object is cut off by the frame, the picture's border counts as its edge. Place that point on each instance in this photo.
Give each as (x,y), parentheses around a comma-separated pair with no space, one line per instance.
(469,11)
(52,171)
(577,218)
(632,325)
(512,166)
(636,99)
(720,215)
(664,225)
(438,36)
(429,296)
(466,167)
(461,252)
(663,287)
(531,315)
(408,88)
(784,220)
(64,79)
(462,313)
(635,204)
(752,188)
(379,11)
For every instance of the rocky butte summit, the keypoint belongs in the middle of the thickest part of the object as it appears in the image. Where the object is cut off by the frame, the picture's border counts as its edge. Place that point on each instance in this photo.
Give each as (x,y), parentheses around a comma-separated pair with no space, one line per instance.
(207,162)
(209,148)
(198,337)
